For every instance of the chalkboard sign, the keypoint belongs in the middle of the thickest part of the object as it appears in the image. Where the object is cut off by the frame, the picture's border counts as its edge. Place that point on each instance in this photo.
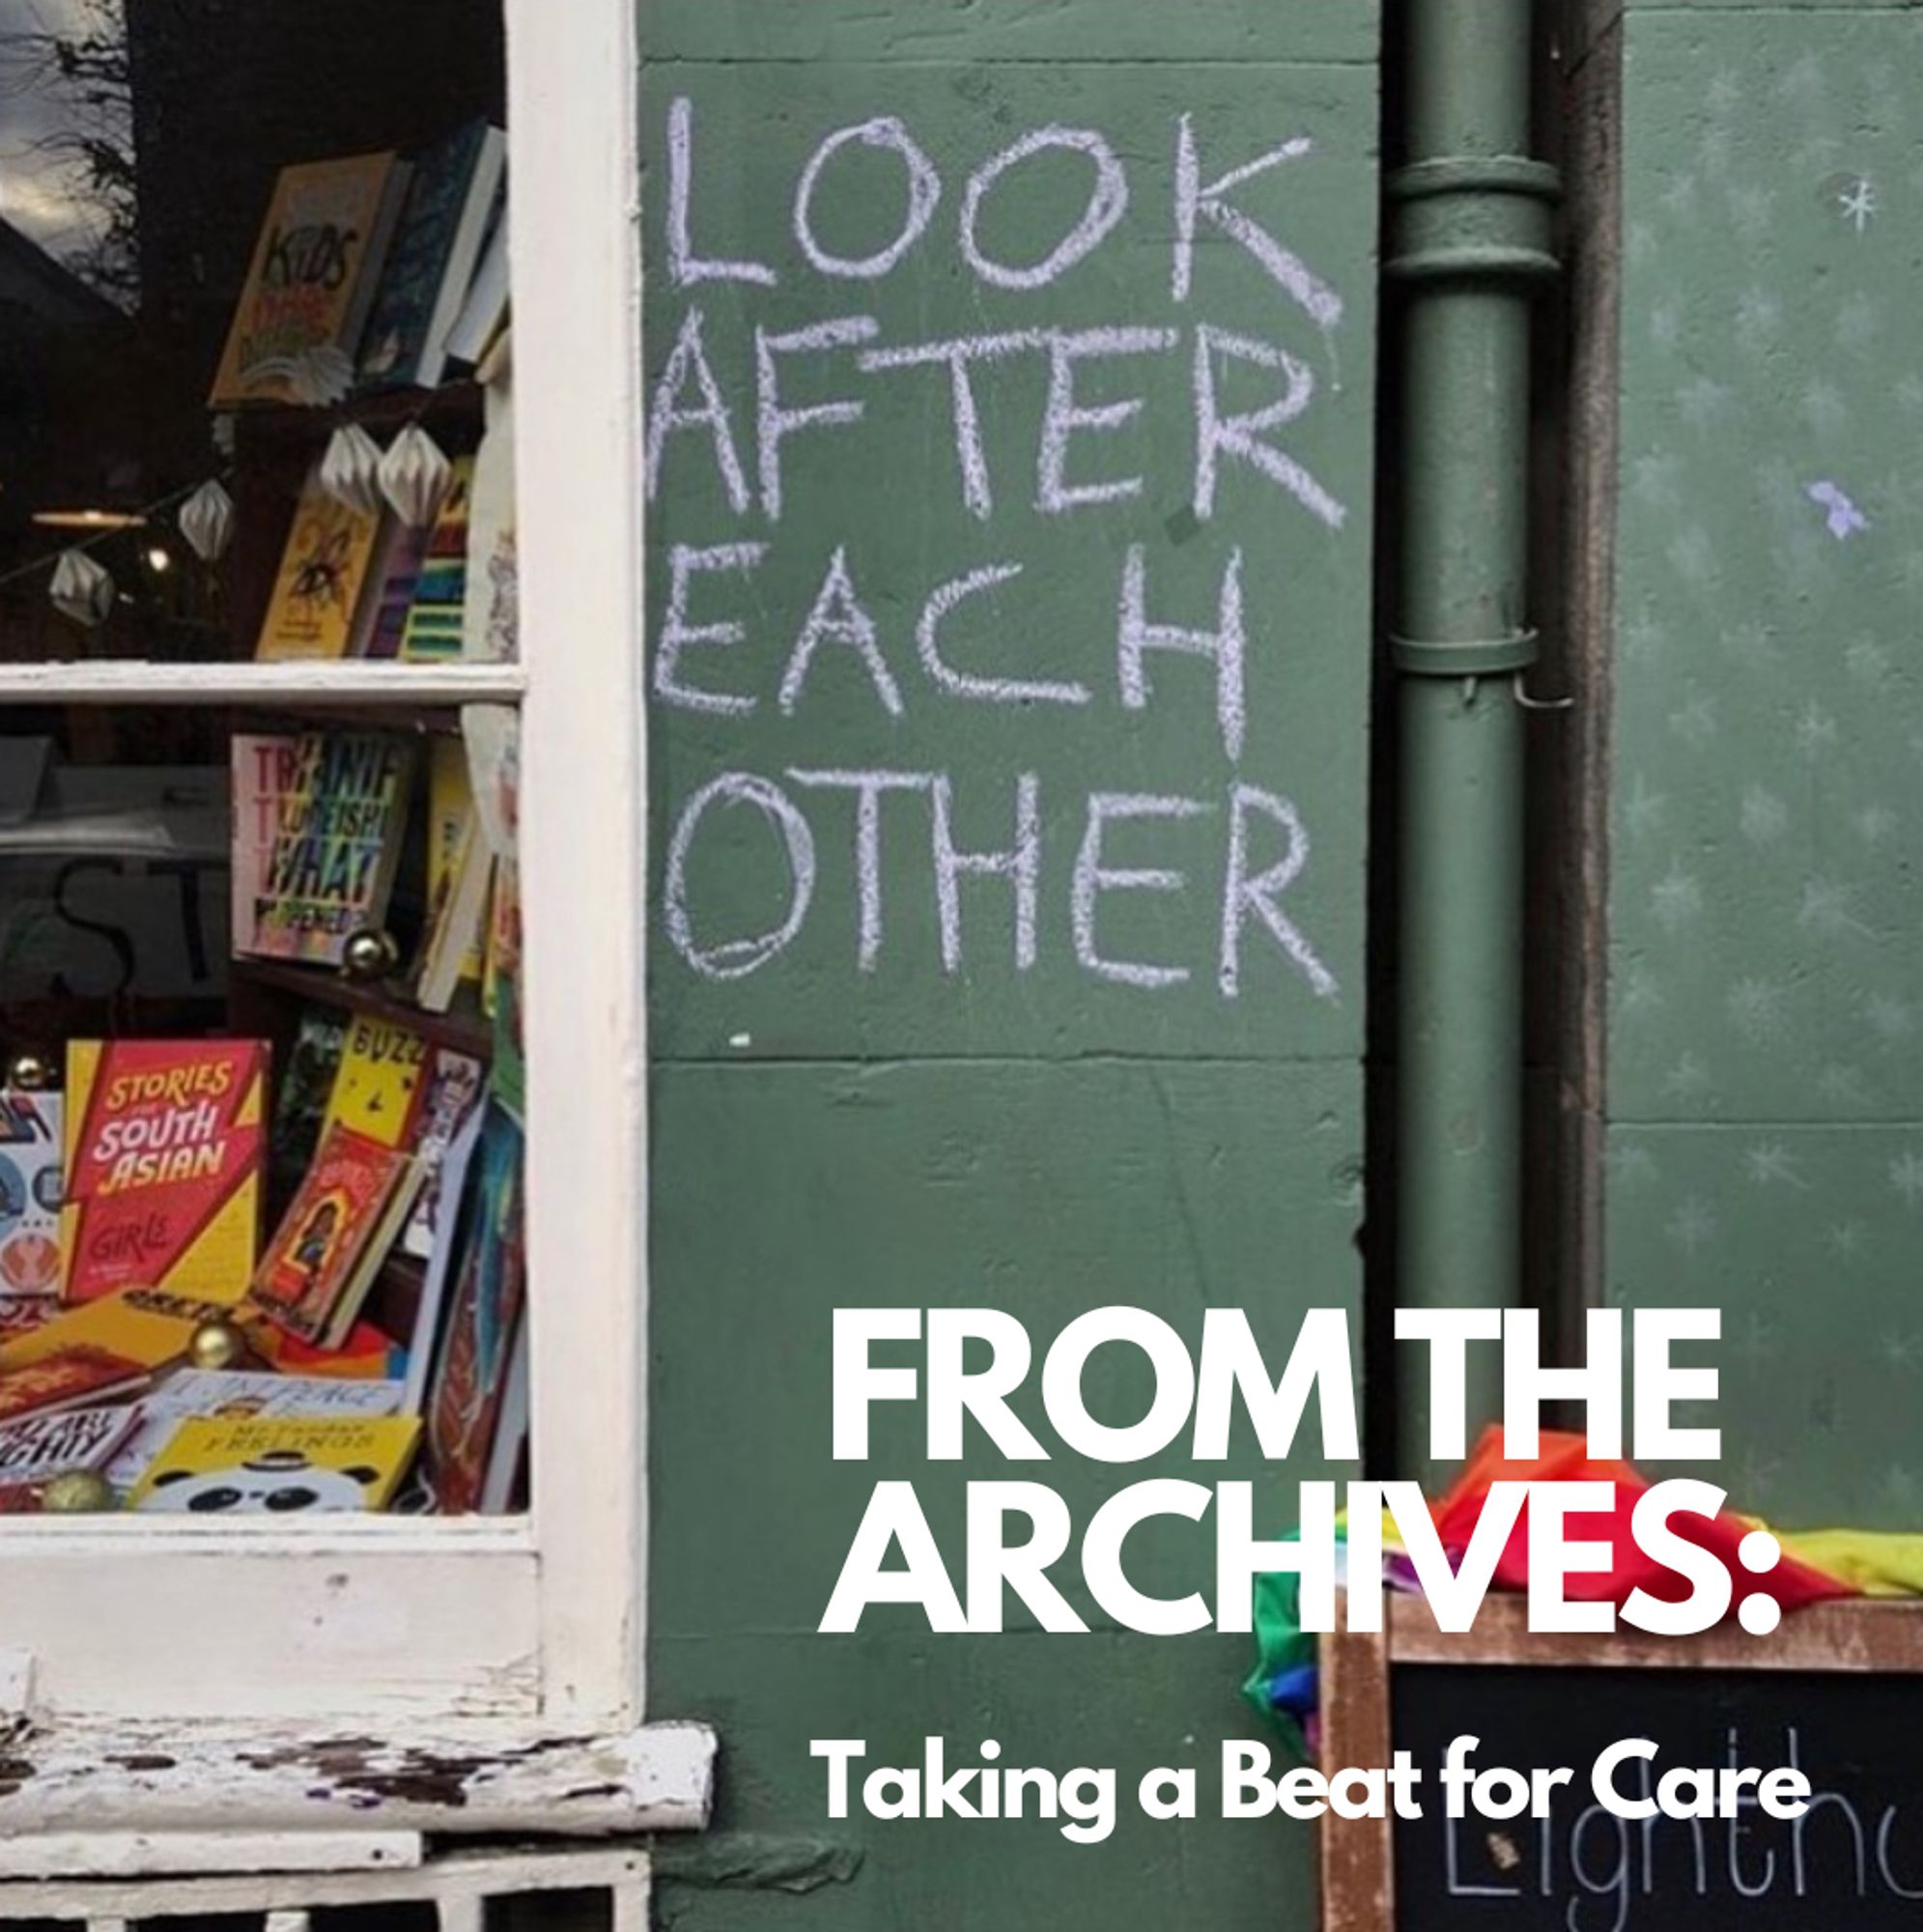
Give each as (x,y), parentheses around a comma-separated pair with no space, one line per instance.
(1837,1694)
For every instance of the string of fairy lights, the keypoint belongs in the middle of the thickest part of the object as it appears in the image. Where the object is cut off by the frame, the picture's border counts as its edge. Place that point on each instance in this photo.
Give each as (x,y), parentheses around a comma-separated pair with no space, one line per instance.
(412,477)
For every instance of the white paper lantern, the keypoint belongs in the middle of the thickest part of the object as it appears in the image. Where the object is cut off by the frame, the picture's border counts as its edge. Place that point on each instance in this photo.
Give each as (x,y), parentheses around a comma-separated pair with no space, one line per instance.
(350,470)
(415,476)
(207,521)
(81,588)
(320,376)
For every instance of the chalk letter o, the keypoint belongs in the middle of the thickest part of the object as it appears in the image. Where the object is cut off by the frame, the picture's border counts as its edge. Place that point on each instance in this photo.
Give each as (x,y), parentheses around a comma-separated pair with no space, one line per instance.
(1107,205)
(924,191)
(736,958)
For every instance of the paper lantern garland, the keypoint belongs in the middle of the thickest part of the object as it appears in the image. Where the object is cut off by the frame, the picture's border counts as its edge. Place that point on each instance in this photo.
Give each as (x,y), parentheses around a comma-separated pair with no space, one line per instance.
(350,470)
(207,521)
(415,476)
(82,589)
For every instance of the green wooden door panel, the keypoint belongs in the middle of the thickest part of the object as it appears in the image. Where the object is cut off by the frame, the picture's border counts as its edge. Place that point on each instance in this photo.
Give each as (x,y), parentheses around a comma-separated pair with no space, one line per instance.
(1767,911)
(974,31)
(888,494)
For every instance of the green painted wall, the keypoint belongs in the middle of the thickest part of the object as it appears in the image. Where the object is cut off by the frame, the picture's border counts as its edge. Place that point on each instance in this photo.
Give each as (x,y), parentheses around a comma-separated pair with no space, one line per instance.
(876,1122)
(1766,913)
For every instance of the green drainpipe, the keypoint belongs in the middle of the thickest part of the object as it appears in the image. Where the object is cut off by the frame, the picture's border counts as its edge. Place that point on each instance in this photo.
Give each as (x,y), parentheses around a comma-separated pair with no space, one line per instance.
(1469,248)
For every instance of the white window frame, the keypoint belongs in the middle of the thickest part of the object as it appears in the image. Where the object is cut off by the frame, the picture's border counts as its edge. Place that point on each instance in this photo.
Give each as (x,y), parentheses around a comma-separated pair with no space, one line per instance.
(533,1623)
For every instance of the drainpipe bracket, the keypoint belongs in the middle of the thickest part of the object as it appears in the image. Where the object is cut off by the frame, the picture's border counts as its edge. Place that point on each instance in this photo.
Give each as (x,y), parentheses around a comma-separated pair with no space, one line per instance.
(1474,218)
(1467,657)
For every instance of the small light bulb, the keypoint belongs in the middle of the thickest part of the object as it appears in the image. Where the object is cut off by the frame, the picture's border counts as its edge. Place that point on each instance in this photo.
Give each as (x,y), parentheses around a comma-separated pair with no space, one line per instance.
(160,559)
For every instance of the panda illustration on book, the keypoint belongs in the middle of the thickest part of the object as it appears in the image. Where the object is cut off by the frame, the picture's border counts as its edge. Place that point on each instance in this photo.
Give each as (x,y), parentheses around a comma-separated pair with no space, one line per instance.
(281,1481)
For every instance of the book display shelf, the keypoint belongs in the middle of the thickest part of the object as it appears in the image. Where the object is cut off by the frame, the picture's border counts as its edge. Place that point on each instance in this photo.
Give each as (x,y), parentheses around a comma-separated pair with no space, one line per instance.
(263,1099)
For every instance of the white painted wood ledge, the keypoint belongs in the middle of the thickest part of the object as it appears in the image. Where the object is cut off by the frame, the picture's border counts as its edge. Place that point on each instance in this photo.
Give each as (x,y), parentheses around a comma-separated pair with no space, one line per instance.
(134,681)
(290,1777)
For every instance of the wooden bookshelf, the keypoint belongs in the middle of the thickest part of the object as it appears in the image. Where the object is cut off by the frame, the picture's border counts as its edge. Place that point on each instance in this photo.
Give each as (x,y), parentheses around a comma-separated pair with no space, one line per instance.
(463,1029)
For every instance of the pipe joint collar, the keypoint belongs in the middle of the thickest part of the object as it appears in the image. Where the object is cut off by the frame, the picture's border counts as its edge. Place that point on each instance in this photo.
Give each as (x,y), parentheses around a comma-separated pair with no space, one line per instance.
(1467,657)
(1470,217)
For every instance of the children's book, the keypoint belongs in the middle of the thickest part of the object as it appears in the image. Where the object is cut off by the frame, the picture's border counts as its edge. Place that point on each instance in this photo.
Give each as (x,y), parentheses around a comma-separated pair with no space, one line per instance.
(450,205)
(230,1396)
(164,1152)
(398,571)
(31,1153)
(450,1183)
(332,865)
(334,1235)
(471,1373)
(316,265)
(369,1354)
(263,765)
(484,313)
(149,1327)
(66,1442)
(300,1105)
(327,591)
(455,842)
(435,623)
(509,1450)
(66,1378)
(379,1088)
(281,1465)
(449,1102)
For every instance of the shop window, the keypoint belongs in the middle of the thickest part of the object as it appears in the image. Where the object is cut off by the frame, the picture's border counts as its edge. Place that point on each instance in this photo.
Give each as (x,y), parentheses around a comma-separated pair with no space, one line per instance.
(319,1160)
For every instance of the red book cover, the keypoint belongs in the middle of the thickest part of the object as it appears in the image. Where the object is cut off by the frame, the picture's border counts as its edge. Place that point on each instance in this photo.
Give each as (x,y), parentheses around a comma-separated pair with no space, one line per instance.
(321,1254)
(74,1375)
(164,1148)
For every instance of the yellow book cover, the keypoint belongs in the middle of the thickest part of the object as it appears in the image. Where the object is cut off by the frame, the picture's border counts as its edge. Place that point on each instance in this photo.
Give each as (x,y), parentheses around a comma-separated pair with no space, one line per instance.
(297,327)
(450,795)
(377,1086)
(165,1143)
(324,582)
(148,1326)
(283,1466)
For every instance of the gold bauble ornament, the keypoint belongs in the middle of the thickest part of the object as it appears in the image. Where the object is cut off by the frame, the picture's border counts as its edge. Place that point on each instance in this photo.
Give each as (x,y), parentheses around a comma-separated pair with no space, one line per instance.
(216,1345)
(31,1071)
(369,955)
(79,1492)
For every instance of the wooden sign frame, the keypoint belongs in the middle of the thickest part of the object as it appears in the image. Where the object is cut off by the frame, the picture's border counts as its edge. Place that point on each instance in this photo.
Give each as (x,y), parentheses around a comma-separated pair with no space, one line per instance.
(1358,1853)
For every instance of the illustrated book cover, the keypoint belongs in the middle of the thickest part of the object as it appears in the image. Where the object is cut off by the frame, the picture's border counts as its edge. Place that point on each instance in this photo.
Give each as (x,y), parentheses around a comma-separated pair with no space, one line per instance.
(334,855)
(279,1465)
(431,264)
(298,325)
(327,591)
(164,1150)
(31,1154)
(336,1231)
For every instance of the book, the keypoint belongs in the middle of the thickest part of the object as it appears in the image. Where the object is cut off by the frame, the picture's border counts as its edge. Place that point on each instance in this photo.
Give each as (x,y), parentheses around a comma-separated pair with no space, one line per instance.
(334,855)
(31,1153)
(509,1449)
(164,1150)
(398,571)
(327,592)
(65,1378)
(281,1465)
(63,1443)
(368,1354)
(449,1102)
(336,1231)
(300,1105)
(435,619)
(471,1375)
(230,1395)
(450,205)
(150,1329)
(451,822)
(316,265)
(378,1086)
(484,313)
(263,766)
(450,1181)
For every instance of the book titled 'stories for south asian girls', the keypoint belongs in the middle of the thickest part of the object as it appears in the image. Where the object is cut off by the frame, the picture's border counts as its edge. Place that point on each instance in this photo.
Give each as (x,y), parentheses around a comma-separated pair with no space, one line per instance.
(164,1150)
(336,846)
(297,329)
